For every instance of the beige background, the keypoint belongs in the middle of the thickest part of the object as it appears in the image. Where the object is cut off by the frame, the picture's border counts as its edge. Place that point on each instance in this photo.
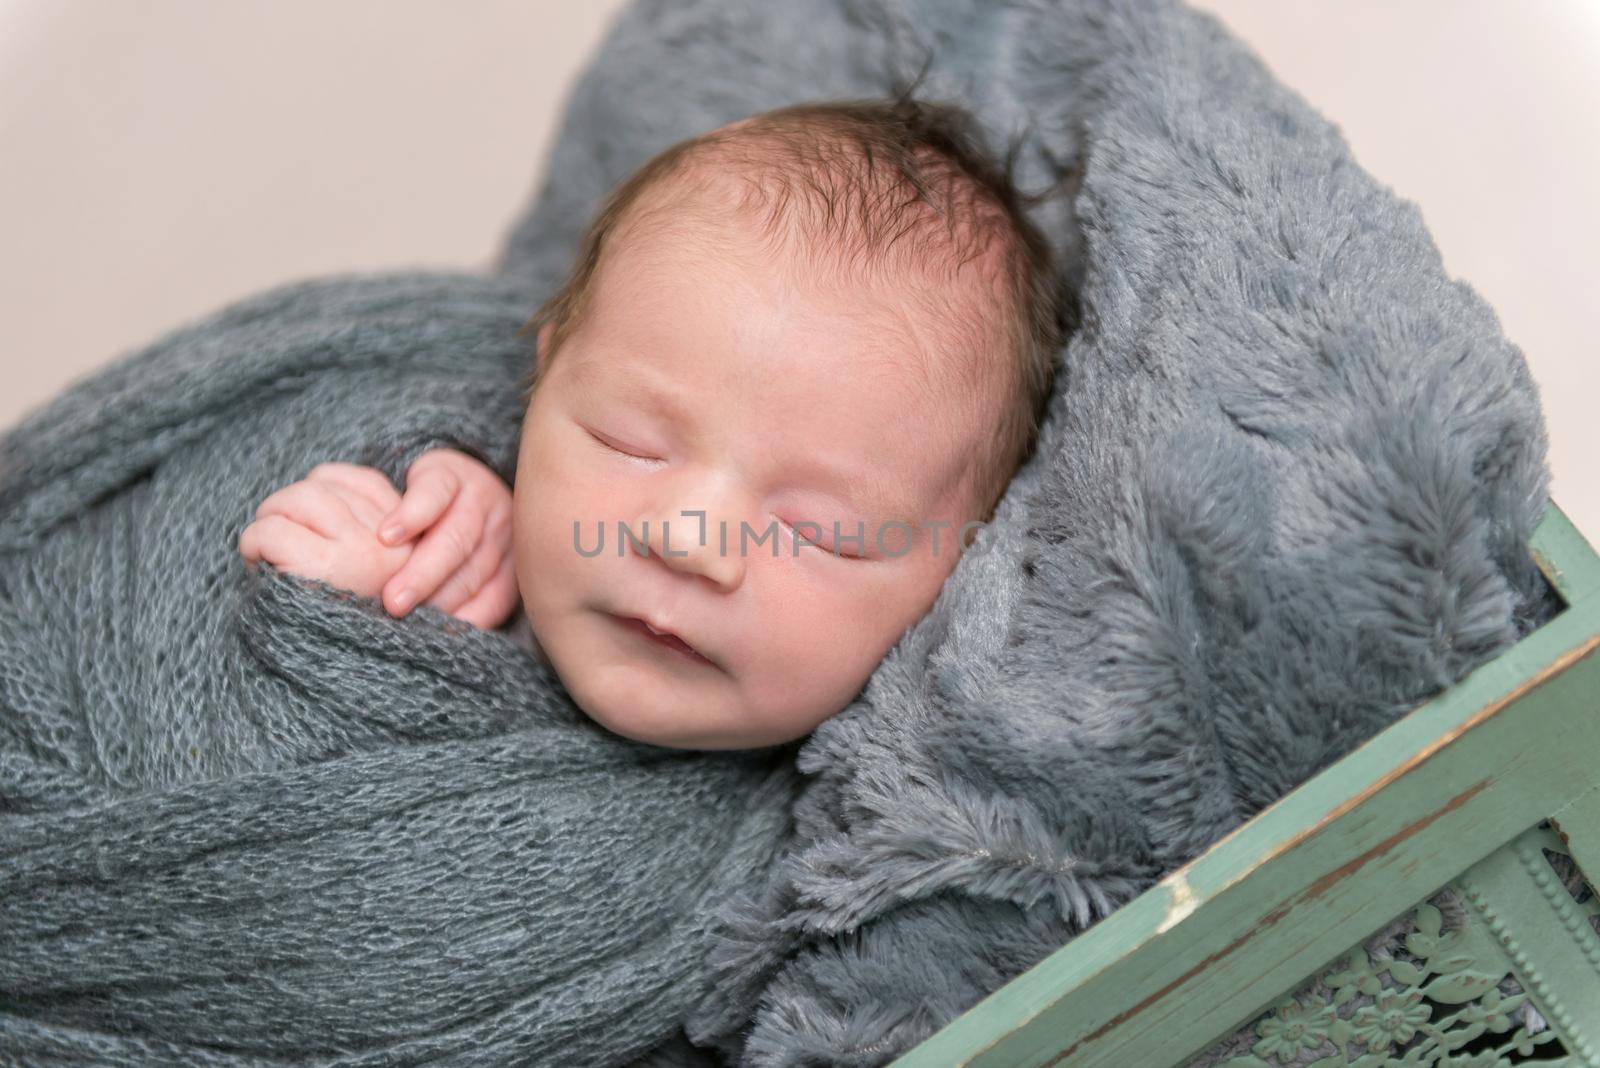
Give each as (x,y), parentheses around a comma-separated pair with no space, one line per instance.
(162,157)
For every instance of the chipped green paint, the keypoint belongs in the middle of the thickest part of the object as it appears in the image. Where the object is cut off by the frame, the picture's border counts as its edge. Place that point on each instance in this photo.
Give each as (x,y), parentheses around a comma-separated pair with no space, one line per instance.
(1453,793)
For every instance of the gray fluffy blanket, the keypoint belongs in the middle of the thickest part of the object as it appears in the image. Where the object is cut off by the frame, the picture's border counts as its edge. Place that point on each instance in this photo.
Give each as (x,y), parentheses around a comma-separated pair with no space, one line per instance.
(1284,494)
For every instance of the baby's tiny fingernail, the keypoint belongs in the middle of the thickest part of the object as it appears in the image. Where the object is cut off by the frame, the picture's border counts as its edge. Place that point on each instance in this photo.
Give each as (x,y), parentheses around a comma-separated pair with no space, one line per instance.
(391,533)
(403,599)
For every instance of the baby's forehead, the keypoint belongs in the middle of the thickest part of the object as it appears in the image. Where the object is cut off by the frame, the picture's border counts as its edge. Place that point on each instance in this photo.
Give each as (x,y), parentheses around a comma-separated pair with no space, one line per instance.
(919,332)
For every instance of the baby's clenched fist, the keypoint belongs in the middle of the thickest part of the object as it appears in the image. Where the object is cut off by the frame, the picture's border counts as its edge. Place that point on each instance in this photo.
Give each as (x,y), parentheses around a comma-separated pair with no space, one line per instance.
(445,542)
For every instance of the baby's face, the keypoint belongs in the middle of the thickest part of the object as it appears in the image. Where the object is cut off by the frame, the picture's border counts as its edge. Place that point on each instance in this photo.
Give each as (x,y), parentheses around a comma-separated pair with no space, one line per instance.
(720,384)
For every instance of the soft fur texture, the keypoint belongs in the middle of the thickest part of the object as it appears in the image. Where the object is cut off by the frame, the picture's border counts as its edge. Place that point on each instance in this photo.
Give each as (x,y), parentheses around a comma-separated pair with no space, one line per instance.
(1284,494)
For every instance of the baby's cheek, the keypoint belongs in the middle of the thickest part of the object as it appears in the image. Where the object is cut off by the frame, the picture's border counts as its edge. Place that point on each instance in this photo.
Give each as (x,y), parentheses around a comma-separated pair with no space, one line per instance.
(524,549)
(542,548)
(550,496)
(814,654)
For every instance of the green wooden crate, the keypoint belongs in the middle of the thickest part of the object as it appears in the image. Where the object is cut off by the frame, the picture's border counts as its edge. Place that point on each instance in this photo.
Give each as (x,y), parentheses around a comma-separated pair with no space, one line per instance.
(1491,789)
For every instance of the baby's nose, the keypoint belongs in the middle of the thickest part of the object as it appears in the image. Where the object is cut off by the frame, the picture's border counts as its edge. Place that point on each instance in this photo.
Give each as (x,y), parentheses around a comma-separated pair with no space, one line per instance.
(687,541)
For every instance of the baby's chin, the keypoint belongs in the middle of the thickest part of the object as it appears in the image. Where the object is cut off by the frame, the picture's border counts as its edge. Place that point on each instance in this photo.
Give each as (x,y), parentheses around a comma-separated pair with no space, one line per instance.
(700,724)
(638,702)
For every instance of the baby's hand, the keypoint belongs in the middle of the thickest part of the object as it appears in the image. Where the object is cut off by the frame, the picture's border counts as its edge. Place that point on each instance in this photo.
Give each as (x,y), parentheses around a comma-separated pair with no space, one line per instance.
(325,527)
(464,559)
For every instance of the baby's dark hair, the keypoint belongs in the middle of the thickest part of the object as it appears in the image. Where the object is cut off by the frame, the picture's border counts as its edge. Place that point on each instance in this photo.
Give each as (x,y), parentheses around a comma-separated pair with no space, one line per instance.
(876,184)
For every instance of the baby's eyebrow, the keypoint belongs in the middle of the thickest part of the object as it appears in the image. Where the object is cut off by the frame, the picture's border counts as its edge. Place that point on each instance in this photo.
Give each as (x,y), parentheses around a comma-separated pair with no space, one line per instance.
(592,375)
(857,490)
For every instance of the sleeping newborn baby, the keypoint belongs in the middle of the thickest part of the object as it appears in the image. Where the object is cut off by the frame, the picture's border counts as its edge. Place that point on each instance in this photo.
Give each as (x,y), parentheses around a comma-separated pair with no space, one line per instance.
(792,371)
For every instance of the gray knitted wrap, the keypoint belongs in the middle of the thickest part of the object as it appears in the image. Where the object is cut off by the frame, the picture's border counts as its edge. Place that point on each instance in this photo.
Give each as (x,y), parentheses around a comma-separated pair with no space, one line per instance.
(254,820)
(1284,494)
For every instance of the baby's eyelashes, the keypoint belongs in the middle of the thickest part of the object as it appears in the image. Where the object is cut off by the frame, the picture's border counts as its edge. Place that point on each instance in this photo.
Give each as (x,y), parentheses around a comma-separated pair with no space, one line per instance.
(808,534)
(608,444)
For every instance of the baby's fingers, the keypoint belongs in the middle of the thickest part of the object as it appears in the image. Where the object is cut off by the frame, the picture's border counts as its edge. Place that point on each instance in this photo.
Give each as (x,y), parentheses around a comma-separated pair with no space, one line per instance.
(437,556)
(480,567)
(284,544)
(367,490)
(429,491)
(495,602)
(310,504)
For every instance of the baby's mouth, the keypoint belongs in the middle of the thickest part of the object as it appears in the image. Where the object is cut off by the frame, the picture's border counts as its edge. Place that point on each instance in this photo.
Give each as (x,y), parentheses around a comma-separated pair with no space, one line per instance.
(662,638)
